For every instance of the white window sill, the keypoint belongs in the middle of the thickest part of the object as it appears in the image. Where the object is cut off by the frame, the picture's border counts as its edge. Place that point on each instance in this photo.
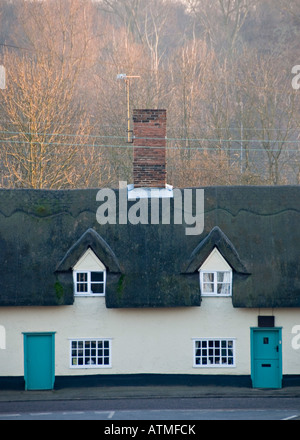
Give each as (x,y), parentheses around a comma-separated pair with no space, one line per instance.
(90,367)
(89,295)
(215,295)
(214,366)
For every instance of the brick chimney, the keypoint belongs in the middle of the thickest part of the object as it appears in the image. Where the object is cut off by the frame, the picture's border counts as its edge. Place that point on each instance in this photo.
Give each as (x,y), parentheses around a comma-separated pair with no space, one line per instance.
(149,140)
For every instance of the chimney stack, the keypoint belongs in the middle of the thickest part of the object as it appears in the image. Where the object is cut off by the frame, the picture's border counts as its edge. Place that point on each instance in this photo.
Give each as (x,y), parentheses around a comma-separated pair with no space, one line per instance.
(149,140)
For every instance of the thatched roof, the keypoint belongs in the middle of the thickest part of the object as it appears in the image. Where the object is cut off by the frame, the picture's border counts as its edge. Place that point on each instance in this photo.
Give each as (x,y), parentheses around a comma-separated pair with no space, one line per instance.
(44,233)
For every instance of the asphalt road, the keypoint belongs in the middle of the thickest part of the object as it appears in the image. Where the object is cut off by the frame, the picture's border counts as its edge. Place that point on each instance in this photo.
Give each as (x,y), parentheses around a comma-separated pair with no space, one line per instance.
(165,415)
(154,409)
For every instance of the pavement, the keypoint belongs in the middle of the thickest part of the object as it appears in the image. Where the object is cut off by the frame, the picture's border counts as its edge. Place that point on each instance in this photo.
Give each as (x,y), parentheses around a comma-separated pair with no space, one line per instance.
(145,392)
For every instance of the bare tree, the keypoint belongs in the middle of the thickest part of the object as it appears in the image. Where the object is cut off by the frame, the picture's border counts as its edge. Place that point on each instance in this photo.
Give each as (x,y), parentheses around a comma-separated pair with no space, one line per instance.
(221,21)
(292,7)
(37,151)
(230,111)
(46,127)
(190,70)
(274,110)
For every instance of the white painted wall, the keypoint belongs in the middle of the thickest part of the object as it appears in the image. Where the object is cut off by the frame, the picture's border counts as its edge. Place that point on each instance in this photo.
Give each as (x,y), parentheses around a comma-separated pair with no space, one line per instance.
(143,341)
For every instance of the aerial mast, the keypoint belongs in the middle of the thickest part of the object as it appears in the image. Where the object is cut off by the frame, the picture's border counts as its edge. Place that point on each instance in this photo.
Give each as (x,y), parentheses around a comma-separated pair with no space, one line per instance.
(127,78)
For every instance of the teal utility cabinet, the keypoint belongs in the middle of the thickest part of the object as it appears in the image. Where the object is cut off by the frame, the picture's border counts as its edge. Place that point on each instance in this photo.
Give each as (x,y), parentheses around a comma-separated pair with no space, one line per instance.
(39,361)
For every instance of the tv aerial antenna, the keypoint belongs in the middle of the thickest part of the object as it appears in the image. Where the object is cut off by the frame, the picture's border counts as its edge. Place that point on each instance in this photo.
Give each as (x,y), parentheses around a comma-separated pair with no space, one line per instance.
(127,78)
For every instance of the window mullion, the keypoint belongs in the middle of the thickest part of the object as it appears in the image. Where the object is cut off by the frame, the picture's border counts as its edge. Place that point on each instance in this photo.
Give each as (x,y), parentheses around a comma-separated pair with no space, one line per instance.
(216,283)
(89,283)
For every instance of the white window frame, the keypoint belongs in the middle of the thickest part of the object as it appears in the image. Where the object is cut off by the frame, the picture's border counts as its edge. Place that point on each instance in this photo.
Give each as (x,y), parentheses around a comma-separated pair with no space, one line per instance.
(215,283)
(75,365)
(89,282)
(215,354)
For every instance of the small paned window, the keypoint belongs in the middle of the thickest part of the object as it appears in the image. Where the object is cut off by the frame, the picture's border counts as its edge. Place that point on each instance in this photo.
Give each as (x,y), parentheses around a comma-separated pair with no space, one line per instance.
(214,353)
(216,283)
(94,353)
(90,283)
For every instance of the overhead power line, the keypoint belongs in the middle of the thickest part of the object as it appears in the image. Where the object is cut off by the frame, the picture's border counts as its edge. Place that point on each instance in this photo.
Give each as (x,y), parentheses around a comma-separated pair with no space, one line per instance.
(130,146)
(118,137)
(170,128)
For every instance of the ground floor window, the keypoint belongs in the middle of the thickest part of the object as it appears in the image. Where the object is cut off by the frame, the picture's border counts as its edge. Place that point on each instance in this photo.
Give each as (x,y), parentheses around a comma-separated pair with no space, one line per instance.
(90,353)
(214,352)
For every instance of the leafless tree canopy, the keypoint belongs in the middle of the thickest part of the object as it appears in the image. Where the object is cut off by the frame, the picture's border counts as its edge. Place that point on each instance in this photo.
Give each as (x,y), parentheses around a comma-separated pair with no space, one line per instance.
(221,68)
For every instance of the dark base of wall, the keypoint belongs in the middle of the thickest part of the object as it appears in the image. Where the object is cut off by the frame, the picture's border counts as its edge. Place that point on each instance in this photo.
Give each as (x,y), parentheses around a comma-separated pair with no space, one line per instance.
(12,383)
(152,380)
(18,383)
(291,380)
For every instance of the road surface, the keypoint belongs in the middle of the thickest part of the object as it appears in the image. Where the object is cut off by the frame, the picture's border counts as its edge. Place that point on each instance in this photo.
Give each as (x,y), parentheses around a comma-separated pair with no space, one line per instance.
(253,408)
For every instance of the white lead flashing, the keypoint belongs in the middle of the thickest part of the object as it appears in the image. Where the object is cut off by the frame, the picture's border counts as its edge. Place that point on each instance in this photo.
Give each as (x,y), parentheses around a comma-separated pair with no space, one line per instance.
(149,193)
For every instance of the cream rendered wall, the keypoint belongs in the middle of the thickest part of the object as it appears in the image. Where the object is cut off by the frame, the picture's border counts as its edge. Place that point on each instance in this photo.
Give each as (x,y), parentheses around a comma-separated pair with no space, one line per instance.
(143,341)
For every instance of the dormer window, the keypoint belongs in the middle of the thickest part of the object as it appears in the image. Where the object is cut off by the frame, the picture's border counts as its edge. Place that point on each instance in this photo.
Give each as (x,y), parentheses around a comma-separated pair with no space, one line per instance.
(215,276)
(216,283)
(89,275)
(90,283)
